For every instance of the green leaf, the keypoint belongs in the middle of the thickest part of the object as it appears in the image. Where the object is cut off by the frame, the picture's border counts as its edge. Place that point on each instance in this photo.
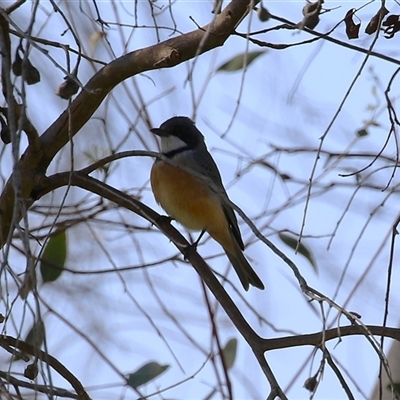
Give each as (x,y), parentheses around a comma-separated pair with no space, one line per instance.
(229,353)
(36,335)
(362,132)
(238,62)
(53,257)
(300,248)
(145,374)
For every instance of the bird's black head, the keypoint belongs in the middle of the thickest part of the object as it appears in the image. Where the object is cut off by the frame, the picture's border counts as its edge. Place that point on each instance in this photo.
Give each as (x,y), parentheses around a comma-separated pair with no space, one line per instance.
(182,128)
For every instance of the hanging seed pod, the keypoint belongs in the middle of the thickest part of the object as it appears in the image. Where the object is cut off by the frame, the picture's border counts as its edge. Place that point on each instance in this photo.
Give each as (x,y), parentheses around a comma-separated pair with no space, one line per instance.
(311,13)
(68,88)
(263,14)
(311,383)
(17,64)
(5,133)
(31,371)
(30,73)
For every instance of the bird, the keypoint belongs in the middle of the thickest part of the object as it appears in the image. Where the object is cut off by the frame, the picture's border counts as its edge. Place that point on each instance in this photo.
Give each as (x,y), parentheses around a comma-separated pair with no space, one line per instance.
(196,200)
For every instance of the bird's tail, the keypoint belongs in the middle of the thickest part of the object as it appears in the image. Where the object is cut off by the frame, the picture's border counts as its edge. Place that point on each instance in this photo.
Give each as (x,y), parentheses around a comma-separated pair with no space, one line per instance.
(244,270)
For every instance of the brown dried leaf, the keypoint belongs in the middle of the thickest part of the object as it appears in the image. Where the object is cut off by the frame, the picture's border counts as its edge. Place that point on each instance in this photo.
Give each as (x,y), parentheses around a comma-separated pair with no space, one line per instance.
(393,25)
(352,29)
(391,20)
(373,25)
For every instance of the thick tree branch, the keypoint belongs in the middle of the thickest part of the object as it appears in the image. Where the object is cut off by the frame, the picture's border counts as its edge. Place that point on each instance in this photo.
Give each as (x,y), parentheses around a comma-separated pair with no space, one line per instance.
(167,54)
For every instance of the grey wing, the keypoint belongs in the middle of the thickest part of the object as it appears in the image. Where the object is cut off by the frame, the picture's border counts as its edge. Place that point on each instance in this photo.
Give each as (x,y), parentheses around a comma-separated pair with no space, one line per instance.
(205,165)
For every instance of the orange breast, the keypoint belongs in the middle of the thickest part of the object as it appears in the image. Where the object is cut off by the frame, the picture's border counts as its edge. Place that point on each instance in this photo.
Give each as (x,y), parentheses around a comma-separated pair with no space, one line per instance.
(190,201)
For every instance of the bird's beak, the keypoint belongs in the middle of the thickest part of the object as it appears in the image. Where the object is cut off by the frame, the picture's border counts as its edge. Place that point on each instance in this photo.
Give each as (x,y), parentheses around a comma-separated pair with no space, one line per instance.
(158,131)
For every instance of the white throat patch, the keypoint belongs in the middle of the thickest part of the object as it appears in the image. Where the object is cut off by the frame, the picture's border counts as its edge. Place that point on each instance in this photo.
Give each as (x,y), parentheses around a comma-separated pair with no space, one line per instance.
(171,143)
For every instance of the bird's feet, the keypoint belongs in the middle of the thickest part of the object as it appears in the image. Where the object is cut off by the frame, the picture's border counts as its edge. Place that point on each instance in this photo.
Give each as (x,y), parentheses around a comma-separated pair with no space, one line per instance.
(193,246)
